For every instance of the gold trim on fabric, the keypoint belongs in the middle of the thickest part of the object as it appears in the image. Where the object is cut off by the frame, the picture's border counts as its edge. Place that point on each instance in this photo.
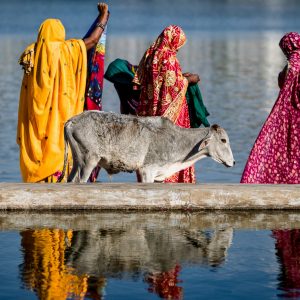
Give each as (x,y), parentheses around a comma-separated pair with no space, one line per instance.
(174,109)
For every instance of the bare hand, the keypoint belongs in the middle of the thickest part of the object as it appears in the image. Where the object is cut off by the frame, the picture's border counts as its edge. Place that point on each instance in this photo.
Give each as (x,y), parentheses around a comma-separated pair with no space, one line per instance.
(187,74)
(103,11)
(193,78)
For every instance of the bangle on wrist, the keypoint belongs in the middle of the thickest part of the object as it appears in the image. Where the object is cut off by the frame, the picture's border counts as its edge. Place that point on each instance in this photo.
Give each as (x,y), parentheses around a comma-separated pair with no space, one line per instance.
(99,24)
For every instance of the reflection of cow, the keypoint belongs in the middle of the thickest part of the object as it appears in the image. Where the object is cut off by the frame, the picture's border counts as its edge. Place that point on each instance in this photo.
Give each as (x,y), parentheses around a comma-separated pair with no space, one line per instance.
(152,146)
(132,251)
(215,244)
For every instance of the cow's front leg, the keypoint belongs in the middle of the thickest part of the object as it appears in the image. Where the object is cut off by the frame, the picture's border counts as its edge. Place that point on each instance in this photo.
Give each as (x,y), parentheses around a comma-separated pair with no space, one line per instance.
(74,175)
(145,175)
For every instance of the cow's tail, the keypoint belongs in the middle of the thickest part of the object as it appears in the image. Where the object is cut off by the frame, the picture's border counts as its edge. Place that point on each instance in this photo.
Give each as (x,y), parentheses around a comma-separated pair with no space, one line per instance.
(61,177)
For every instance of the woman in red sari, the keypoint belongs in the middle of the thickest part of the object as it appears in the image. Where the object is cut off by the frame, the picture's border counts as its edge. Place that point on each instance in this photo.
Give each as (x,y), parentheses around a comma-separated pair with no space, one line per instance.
(275,156)
(163,86)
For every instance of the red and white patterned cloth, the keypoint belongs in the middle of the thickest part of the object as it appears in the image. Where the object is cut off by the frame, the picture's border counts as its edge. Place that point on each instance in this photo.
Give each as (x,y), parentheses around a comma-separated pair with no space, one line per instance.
(163,86)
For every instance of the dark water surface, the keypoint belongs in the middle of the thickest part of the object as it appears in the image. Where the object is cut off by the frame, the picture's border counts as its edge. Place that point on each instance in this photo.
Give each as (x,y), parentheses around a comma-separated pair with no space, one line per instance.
(150,255)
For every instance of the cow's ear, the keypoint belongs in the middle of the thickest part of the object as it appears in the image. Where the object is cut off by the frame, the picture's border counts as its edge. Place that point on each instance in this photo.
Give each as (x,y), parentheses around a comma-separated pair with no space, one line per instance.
(216,128)
(204,143)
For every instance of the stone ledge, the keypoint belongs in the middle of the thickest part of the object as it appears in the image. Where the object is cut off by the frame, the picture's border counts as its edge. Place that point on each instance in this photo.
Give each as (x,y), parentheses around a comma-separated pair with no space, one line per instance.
(126,220)
(134,196)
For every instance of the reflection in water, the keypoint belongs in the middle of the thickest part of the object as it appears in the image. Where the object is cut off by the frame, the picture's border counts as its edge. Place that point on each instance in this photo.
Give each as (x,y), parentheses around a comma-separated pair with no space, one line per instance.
(169,255)
(288,252)
(164,284)
(132,251)
(44,270)
(62,264)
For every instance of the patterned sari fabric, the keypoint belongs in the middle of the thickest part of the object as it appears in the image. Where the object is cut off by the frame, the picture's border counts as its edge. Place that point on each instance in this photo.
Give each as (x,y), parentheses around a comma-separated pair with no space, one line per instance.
(275,156)
(52,91)
(163,87)
(94,86)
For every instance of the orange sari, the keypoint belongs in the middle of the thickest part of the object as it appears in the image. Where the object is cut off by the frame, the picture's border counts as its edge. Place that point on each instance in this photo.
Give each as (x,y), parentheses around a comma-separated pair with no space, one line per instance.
(163,87)
(52,91)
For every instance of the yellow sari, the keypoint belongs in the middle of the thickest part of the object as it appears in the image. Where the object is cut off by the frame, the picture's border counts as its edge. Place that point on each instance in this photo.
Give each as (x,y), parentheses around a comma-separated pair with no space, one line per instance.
(52,91)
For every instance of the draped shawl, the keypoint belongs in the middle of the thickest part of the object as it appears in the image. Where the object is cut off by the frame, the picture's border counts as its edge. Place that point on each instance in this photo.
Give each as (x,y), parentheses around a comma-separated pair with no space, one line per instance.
(163,86)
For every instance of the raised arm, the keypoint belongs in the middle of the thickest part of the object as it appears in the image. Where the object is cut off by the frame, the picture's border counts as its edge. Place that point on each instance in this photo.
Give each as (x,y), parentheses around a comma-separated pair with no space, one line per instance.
(94,37)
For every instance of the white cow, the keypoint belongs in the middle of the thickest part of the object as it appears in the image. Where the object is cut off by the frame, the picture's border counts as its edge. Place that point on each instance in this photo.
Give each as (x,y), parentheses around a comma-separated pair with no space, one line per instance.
(152,146)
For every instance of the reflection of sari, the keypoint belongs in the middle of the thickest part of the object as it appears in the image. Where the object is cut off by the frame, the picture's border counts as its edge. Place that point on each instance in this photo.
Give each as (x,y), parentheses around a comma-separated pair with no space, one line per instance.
(275,156)
(45,269)
(288,251)
(164,284)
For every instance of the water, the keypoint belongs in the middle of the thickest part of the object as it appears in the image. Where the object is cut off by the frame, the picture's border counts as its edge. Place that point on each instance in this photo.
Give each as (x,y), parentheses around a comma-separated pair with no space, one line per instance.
(233,45)
(202,255)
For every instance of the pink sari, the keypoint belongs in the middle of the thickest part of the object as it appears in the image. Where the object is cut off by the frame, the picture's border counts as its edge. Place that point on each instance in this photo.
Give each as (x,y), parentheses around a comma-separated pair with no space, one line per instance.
(275,156)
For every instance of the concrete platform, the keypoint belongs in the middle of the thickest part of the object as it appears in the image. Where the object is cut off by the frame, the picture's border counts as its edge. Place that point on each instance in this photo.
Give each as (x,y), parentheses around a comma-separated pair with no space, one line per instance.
(134,196)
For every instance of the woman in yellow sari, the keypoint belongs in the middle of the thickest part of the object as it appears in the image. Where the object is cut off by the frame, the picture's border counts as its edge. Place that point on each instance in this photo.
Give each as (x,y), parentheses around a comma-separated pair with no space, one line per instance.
(52,91)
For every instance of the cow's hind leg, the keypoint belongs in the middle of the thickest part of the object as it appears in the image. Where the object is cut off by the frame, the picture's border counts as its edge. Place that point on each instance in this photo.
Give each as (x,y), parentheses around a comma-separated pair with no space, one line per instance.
(87,169)
(76,154)
(75,171)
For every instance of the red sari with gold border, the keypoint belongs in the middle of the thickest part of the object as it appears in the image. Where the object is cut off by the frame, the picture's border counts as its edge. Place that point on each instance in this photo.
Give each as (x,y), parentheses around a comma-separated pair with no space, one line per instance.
(163,86)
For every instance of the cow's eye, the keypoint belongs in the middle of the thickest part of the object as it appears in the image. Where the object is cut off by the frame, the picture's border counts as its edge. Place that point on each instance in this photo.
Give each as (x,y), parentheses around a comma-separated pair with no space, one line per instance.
(223,141)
